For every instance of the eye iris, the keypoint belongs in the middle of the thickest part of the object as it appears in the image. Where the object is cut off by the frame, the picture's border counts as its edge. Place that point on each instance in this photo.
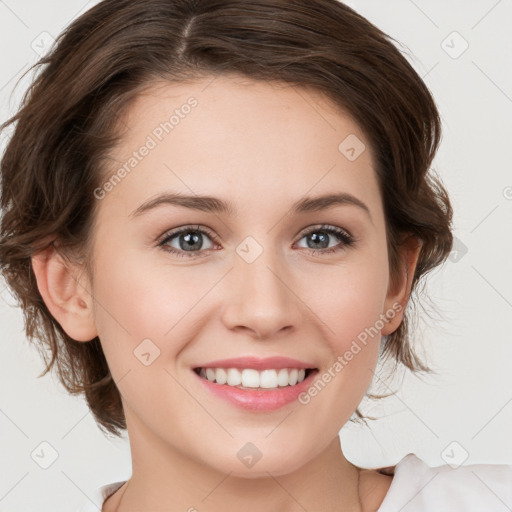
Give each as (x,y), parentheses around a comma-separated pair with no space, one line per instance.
(324,238)
(191,241)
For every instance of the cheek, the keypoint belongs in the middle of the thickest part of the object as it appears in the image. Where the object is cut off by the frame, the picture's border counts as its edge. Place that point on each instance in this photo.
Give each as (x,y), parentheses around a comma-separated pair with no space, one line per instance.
(139,298)
(139,290)
(141,315)
(351,299)
(132,305)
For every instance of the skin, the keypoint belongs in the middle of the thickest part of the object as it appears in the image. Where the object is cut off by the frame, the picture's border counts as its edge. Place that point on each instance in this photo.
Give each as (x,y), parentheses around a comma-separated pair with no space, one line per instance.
(262,147)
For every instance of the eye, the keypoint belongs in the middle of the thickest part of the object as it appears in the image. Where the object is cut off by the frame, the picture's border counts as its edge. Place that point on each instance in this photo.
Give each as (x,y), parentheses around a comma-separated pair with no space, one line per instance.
(320,236)
(189,241)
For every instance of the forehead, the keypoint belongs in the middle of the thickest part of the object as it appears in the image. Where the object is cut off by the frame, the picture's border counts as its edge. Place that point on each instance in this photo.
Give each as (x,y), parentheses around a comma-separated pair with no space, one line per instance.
(231,135)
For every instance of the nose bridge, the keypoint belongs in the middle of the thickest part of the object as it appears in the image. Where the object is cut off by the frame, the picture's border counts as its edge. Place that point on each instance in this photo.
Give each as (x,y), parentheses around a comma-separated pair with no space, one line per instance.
(262,300)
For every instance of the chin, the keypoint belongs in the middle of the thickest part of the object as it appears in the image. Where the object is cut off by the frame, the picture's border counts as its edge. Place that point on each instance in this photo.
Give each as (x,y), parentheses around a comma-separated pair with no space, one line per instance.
(244,467)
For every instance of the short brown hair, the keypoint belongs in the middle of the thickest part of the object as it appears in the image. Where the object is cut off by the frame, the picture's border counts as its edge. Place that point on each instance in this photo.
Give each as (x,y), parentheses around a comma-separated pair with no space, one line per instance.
(66,124)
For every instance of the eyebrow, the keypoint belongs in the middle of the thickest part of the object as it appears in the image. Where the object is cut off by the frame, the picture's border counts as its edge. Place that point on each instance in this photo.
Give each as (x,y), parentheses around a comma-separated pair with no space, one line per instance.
(215,205)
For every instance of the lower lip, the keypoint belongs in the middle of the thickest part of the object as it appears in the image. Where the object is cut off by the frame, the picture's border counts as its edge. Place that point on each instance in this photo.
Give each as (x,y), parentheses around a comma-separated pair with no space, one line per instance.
(257,399)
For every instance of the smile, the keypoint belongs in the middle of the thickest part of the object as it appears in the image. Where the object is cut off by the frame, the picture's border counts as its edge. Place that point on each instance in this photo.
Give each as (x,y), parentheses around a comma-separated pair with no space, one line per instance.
(255,390)
(250,378)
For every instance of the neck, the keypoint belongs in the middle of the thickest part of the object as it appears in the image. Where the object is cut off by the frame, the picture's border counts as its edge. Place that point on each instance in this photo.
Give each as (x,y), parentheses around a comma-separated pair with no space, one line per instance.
(163,477)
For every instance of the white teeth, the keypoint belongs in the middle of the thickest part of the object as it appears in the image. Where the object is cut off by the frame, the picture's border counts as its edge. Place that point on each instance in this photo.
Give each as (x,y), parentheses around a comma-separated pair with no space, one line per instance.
(268,379)
(250,378)
(282,377)
(220,376)
(234,377)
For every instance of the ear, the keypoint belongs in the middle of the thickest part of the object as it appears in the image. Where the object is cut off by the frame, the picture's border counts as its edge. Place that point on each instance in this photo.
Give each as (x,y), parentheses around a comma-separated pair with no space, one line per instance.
(399,292)
(67,299)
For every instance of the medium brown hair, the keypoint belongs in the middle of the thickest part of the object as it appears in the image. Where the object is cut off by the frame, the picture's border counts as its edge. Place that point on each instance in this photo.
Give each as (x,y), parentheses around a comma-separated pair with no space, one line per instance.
(68,119)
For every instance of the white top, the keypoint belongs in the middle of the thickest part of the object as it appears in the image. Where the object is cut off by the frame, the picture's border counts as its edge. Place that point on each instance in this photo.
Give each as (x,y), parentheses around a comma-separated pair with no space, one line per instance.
(417,487)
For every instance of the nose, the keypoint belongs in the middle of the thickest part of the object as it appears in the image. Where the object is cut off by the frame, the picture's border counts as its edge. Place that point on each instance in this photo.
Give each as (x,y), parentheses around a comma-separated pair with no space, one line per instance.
(261,298)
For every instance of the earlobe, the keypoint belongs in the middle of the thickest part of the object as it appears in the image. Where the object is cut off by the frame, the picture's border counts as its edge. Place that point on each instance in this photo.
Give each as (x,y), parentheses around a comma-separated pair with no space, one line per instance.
(398,295)
(69,302)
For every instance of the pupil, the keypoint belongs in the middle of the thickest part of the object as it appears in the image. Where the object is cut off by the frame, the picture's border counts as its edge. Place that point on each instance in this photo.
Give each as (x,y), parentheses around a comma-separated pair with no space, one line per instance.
(323,238)
(192,240)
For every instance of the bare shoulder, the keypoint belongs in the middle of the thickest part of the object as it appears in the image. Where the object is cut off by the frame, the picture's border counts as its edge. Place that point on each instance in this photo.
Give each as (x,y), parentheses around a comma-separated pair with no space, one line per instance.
(373,487)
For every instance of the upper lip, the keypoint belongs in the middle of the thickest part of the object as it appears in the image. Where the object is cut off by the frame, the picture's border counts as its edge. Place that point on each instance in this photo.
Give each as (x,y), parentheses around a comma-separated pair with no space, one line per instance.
(256,363)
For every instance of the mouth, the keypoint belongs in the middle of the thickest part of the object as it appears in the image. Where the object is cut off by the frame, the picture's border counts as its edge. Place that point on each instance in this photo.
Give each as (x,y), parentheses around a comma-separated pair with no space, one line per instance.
(256,390)
(253,379)
(256,384)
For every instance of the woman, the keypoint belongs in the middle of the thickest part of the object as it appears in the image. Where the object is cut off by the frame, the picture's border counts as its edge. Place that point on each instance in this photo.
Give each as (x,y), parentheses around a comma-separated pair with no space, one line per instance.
(224,209)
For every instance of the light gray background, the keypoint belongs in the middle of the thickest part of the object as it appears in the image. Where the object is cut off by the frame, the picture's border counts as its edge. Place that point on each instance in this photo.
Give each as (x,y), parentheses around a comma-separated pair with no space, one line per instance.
(464,412)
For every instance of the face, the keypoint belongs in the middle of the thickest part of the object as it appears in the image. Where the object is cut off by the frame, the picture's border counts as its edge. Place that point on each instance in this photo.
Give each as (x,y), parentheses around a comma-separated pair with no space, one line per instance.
(261,278)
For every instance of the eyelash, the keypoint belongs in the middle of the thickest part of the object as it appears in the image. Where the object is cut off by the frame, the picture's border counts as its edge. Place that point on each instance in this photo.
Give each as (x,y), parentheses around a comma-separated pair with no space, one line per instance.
(347,240)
